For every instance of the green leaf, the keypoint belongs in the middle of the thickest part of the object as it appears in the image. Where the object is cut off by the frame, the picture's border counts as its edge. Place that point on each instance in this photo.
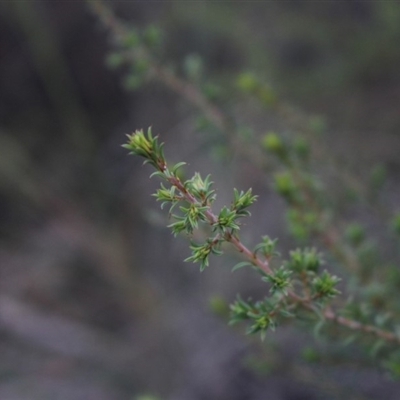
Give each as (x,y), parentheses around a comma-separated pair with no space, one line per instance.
(157,173)
(279,280)
(273,143)
(310,355)
(267,246)
(305,260)
(201,252)
(152,36)
(178,226)
(218,306)
(324,286)
(285,186)
(355,234)
(247,82)
(177,166)
(226,220)
(148,147)
(242,200)
(131,39)
(241,265)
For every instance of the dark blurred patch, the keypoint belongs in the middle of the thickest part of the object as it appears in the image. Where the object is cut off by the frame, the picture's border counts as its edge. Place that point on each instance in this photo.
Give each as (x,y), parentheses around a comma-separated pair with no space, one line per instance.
(299,55)
(218,50)
(86,286)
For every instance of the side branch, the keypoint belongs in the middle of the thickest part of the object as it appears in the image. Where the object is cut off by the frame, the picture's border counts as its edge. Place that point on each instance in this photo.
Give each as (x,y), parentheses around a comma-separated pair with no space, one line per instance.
(199,196)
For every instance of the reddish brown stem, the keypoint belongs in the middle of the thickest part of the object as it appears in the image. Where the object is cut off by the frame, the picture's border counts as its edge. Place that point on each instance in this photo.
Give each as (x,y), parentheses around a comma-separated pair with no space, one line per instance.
(264,266)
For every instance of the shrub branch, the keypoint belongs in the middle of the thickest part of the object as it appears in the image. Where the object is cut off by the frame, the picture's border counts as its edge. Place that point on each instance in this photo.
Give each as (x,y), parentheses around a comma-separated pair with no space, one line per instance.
(319,289)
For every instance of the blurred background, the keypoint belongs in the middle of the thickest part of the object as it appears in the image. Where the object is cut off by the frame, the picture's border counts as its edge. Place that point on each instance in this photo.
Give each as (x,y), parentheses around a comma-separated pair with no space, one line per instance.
(95,301)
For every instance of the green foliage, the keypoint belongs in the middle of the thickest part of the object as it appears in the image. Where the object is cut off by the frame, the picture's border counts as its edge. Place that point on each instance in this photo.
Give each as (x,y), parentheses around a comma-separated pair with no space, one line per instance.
(260,315)
(267,247)
(355,234)
(249,83)
(292,161)
(310,355)
(305,260)
(197,195)
(324,286)
(219,306)
(200,253)
(279,280)
(273,143)
(147,147)
(286,186)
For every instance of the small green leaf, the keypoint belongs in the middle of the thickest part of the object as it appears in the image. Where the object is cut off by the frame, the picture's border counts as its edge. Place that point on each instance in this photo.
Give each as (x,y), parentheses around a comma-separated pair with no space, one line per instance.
(267,247)
(241,265)
(305,260)
(279,280)
(201,252)
(226,220)
(247,82)
(310,355)
(355,234)
(218,306)
(131,39)
(242,200)
(286,187)
(324,285)
(152,36)
(178,226)
(158,174)
(177,166)
(273,143)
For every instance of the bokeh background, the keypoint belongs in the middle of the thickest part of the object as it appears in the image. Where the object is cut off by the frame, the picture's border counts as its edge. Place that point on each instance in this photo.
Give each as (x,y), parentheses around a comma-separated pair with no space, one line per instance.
(95,301)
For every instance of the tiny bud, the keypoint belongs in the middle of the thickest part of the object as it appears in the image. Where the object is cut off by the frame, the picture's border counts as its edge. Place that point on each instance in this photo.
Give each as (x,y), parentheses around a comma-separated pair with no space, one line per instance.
(273,143)
(247,82)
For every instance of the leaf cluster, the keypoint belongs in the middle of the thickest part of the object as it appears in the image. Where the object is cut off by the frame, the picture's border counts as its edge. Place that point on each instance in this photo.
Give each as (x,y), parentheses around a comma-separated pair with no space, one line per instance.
(195,196)
(297,283)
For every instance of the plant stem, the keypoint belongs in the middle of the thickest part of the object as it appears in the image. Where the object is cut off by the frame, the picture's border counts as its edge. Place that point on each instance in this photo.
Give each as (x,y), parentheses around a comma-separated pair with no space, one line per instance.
(264,266)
